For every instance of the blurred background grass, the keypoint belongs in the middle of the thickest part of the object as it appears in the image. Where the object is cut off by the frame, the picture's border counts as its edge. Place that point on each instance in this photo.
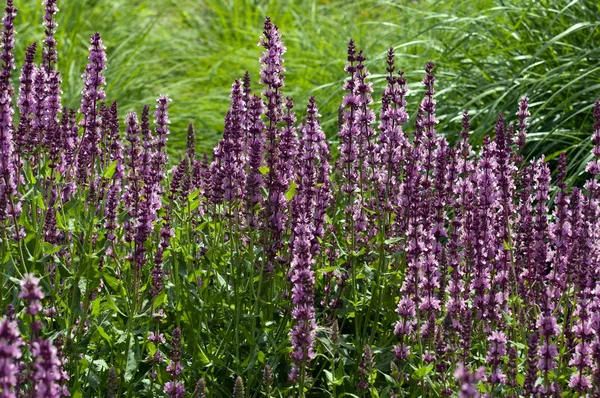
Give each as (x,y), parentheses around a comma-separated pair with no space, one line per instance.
(489,53)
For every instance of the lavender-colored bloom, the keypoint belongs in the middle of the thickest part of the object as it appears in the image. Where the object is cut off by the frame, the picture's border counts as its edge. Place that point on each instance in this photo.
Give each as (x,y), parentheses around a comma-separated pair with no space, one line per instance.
(92,94)
(8,44)
(113,139)
(254,178)
(365,368)
(497,349)
(392,139)
(303,281)
(593,166)
(191,143)
(522,114)
(541,218)
(8,175)
(267,377)
(349,138)
(51,104)
(175,388)
(365,117)
(25,101)
(31,293)
(161,130)
(50,56)
(288,146)
(232,174)
(279,142)
(110,210)
(113,383)
(131,195)
(46,370)
(405,326)
(52,133)
(238,388)
(506,170)
(51,234)
(468,381)
(177,176)
(200,391)
(175,367)
(483,228)
(560,233)
(10,354)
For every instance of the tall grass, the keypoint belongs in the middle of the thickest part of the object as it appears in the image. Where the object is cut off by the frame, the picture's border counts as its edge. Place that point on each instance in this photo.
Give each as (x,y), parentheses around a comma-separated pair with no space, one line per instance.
(488,54)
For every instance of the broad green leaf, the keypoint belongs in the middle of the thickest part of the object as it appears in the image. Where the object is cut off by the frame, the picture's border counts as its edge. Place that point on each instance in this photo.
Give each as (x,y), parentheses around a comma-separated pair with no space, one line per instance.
(264,170)
(109,172)
(132,360)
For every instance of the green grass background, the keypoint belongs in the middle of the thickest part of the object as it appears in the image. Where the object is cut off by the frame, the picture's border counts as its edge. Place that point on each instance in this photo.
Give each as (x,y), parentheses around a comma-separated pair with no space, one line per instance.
(489,53)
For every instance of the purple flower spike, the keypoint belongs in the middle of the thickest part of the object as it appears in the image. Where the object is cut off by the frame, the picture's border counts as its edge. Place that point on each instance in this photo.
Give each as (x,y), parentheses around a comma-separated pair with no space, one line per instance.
(8,44)
(10,354)
(50,56)
(161,130)
(92,94)
(25,101)
(254,178)
(468,381)
(46,370)
(8,175)
(32,293)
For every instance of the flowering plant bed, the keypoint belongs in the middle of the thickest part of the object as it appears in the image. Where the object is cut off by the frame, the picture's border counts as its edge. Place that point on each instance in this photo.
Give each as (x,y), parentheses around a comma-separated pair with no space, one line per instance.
(405,266)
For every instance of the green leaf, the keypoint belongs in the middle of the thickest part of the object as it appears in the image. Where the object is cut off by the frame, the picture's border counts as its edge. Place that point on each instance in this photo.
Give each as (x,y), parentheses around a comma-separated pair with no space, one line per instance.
(104,335)
(40,201)
(96,307)
(109,172)
(264,170)
(422,371)
(132,360)
(291,192)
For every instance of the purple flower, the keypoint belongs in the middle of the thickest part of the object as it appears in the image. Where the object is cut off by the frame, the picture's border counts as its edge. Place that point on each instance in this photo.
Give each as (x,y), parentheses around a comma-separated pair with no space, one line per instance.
(522,115)
(92,94)
(174,389)
(365,368)
(10,354)
(174,368)
(392,139)
(313,152)
(110,210)
(280,142)
(232,160)
(8,45)
(468,381)
(113,138)
(50,56)
(200,391)
(483,225)
(8,175)
(238,388)
(303,285)
(161,129)
(496,350)
(254,178)
(25,101)
(191,143)
(46,370)
(31,293)
(348,134)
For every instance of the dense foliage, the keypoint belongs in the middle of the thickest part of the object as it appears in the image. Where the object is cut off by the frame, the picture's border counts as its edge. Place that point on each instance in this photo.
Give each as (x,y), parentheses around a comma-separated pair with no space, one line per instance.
(405,267)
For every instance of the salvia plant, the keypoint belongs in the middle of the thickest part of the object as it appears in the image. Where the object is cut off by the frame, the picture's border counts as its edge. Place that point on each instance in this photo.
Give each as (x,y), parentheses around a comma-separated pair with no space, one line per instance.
(399,264)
